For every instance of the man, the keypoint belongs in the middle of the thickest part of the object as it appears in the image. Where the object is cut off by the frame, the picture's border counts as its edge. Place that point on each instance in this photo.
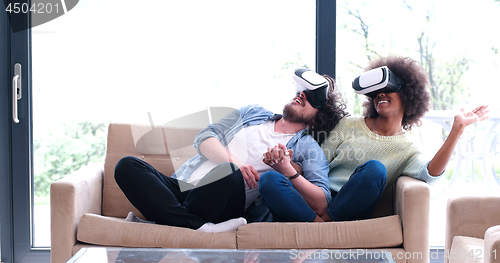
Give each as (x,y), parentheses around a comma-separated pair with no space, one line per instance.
(212,191)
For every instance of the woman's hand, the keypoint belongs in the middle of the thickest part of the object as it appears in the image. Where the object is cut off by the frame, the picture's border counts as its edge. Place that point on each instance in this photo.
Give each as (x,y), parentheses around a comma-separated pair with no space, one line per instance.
(276,155)
(438,164)
(279,158)
(464,119)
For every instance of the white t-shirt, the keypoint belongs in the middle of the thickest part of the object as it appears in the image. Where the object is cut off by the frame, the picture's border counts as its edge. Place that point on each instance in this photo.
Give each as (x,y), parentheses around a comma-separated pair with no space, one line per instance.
(248,145)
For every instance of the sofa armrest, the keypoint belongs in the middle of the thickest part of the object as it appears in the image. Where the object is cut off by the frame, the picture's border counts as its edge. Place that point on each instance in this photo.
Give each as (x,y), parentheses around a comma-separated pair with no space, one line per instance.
(470,216)
(411,203)
(492,244)
(71,197)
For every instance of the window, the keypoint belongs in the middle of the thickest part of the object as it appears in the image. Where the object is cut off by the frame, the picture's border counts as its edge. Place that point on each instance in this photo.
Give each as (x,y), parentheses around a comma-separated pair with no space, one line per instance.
(162,59)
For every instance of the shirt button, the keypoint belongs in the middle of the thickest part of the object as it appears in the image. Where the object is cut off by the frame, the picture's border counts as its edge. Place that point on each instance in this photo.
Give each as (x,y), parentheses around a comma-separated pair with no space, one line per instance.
(177,158)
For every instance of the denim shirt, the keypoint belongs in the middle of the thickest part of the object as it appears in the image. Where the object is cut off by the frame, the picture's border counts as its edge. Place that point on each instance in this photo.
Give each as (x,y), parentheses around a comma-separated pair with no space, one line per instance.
(306,150)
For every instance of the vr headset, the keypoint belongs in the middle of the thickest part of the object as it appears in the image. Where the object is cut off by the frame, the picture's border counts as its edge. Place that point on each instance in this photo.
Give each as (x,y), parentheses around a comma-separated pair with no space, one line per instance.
(313,85)
(377,80)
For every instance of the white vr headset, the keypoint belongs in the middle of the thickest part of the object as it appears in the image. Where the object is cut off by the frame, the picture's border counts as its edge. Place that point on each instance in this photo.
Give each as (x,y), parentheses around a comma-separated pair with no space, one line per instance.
(313,85)
(377,80)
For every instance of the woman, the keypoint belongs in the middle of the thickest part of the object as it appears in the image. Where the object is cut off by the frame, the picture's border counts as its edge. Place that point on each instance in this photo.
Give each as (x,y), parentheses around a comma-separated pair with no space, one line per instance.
(367,153)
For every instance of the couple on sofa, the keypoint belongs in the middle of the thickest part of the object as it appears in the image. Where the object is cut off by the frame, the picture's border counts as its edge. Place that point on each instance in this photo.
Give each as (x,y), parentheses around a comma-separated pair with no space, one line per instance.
(313,163)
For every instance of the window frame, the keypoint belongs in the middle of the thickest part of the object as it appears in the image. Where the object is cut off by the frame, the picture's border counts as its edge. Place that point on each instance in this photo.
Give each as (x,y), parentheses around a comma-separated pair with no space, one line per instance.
(326,27)
(5,142)
(16,151)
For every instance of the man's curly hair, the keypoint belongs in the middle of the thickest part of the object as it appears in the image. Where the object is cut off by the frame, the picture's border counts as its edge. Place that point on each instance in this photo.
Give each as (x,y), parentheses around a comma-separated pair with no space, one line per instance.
(329,116)
(414,94)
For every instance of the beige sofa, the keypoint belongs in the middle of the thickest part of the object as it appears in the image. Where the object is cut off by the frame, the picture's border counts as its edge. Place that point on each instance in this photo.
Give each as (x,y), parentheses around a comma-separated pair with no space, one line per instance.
(473,229)
(87,209)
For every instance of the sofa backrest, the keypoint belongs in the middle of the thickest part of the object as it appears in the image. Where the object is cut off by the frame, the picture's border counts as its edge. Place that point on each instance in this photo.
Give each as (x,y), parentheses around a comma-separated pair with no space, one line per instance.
(166,149)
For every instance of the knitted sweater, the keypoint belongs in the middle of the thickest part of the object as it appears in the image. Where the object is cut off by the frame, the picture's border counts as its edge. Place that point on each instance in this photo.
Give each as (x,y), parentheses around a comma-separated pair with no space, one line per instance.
(352,143)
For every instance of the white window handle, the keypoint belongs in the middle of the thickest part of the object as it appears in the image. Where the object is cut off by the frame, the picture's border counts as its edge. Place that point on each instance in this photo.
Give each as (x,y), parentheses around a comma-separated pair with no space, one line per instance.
(16,91)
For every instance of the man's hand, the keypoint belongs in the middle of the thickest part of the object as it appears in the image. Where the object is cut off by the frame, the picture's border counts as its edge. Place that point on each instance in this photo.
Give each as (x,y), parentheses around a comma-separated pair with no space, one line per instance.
(250,175)
(279,158)
(277,154)
(213,150)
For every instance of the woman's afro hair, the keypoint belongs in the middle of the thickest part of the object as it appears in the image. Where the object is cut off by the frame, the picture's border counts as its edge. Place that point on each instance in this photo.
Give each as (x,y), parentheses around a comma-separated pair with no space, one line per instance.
(414,94)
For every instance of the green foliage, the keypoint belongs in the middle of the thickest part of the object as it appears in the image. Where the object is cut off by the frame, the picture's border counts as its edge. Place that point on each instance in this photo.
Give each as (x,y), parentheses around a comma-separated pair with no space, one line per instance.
(497,165)
(64,149)
(450,170)
(358,106)
(445,77)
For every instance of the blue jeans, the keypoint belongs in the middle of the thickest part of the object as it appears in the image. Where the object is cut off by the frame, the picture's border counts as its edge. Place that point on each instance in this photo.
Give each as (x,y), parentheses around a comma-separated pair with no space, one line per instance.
(357,199)
(284,201)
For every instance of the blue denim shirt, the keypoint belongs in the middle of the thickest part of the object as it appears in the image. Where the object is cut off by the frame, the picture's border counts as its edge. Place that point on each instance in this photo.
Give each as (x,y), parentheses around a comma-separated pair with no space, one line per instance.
(306,150)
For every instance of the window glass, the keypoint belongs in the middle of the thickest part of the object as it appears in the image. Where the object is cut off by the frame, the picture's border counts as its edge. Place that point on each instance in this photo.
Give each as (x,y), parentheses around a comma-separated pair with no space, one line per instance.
(452,40)
(129,61)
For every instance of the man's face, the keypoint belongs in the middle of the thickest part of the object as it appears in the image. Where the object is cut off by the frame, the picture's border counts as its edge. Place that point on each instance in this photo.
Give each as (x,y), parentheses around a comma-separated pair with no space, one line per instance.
(299,110)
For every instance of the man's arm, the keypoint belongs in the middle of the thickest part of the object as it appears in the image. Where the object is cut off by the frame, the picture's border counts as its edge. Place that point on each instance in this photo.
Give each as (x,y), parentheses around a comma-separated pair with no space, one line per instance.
(218,130)
(213,150)
(312,194)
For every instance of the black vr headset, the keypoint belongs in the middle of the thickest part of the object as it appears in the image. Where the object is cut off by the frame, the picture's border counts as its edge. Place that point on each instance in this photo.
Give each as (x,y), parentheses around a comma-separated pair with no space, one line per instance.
(377,80)
(313,85)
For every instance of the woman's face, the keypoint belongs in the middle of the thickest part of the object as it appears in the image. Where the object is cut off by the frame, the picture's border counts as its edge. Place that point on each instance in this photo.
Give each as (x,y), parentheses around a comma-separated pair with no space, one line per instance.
(387,104)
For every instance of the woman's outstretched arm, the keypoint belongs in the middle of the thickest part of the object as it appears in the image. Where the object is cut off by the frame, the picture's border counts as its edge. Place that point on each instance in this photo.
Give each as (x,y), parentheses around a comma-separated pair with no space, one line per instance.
(438,163)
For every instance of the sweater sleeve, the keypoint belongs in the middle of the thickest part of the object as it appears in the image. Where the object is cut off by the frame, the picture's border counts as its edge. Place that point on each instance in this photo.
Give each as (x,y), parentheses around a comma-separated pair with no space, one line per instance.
(417,168)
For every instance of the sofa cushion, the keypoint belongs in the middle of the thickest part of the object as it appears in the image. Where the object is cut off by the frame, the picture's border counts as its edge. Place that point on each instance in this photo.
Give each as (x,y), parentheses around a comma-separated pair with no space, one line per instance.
(466,249)
(108,231)
(372,233)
